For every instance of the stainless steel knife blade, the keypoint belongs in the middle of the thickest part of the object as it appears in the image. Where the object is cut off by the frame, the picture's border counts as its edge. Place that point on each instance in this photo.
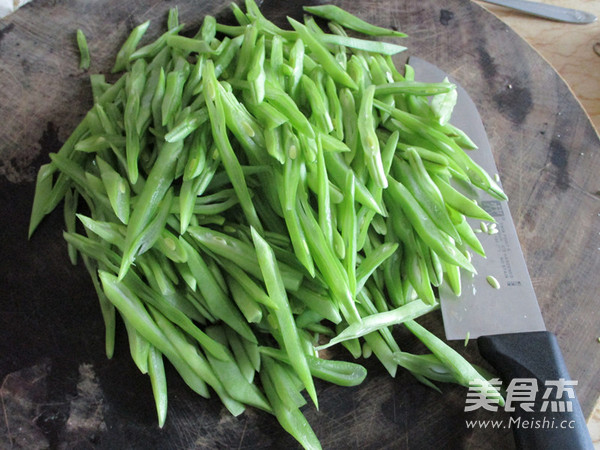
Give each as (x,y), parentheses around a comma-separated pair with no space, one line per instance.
(547,11)
(481,309)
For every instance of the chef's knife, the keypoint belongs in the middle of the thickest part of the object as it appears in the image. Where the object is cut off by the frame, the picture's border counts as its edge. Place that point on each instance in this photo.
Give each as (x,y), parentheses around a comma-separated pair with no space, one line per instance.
(507,322)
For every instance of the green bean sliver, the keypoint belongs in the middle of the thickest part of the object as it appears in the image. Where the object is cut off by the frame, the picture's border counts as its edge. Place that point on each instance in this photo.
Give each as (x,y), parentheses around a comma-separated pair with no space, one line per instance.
(249,196)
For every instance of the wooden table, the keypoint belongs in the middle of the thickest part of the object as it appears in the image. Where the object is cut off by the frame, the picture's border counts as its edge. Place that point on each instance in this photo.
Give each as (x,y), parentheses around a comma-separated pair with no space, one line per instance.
(51,355)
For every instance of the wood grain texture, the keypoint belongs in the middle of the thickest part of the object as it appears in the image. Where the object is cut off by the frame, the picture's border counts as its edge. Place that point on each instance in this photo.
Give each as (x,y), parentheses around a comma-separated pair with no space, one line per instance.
(548,156)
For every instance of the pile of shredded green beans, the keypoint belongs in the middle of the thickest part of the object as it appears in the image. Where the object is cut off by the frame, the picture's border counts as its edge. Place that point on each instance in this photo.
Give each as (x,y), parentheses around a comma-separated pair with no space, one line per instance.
(247,196)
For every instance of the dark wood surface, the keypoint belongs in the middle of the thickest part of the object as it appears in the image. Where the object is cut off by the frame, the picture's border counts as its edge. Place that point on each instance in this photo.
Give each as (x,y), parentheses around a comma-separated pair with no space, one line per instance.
(58,389)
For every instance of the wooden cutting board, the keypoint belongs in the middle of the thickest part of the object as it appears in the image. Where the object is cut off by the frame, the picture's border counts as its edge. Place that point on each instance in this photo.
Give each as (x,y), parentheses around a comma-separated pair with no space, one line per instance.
(58,388)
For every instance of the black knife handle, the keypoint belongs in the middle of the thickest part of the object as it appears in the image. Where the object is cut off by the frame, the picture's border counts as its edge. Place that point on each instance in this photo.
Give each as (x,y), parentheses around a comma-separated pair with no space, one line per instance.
(536,355)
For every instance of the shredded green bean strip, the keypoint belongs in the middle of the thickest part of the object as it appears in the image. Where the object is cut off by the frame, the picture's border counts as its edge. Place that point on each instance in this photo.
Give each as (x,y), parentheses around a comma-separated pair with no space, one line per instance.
(84,52)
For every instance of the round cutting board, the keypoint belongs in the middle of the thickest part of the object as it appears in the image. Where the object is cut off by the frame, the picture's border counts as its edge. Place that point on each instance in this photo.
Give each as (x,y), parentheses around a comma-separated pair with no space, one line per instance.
(59,389)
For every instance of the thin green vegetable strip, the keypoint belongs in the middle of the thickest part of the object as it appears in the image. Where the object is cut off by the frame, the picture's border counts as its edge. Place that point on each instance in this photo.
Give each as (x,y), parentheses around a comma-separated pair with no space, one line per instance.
(84,52)
(129,46)
(276,290)
(156,370)
(323,56)
(464,372)
(230,161)
(346,19)
(375,322)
